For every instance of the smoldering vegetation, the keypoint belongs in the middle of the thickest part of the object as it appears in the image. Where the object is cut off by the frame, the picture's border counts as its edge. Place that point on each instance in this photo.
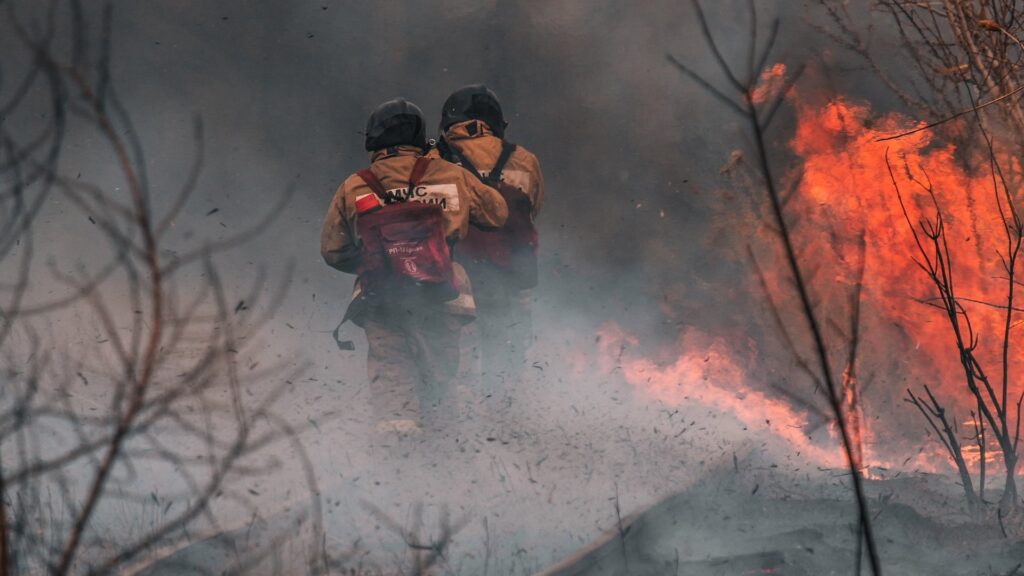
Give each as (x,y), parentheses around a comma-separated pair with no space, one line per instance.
(659,376)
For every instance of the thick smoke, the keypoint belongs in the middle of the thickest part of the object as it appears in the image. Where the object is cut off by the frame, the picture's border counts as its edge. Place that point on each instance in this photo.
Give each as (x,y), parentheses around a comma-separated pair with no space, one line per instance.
(641,231)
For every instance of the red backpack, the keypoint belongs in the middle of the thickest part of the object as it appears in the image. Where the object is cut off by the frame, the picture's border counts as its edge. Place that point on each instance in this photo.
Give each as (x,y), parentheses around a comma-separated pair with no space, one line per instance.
(513,247)
(404,251)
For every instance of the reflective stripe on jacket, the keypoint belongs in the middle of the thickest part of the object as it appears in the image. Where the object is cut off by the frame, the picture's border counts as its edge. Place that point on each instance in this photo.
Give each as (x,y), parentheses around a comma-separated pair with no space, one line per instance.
(463,199)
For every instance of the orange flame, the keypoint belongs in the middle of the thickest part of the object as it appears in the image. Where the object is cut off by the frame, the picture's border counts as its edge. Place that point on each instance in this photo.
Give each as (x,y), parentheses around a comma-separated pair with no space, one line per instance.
(846,205)
(706,372)
(845,183)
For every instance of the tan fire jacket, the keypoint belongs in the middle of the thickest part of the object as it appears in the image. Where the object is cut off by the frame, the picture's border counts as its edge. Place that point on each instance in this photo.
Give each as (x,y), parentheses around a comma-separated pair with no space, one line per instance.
(462,197)
(475,140)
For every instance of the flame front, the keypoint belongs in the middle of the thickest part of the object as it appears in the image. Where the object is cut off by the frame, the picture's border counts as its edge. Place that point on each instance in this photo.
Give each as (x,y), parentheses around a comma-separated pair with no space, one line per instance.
(846,189)
(706,372)
(844,208)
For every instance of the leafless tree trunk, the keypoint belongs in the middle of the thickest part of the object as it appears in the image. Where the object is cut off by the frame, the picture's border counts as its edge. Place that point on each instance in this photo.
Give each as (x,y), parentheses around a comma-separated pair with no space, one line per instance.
(167,349)
(946,432)
(936,261)
(966,82)
(741,97)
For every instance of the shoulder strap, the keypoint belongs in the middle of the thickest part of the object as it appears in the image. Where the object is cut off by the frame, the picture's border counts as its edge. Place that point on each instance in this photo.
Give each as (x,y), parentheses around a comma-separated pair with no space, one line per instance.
(507,148)
(461,158)
(373,182)
(444,148)
(418,170)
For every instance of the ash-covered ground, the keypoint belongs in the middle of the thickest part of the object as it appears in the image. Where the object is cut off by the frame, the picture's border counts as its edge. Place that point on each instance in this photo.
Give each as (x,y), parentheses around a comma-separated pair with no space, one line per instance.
(547,482)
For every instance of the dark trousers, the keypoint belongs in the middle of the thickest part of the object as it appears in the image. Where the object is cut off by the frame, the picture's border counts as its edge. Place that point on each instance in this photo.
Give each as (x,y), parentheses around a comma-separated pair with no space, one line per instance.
(504,326)
(412,361)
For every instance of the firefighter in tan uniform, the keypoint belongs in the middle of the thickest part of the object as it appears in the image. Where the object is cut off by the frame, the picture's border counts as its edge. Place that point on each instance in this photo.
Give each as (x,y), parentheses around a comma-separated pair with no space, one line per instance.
(393,224)
(502,264)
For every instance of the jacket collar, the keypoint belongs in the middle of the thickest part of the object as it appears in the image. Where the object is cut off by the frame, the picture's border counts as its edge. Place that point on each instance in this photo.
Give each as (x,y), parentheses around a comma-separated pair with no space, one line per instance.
(466,130)
(393,151)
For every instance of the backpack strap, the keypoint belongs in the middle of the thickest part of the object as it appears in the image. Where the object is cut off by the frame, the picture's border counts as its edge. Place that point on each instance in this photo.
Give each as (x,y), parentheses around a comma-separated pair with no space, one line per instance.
(444,148)
(373,182)
(461,159)
(418,170)
(507,148)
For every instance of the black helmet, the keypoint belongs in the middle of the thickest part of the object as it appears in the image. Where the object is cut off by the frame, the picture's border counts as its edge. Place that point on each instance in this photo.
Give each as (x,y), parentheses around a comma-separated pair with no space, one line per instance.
(394,123)
(474,102)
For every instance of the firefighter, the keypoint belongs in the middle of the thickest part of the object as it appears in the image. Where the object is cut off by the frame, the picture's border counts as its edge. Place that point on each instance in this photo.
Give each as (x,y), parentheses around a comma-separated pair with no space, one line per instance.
(502,264)
(393,224)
